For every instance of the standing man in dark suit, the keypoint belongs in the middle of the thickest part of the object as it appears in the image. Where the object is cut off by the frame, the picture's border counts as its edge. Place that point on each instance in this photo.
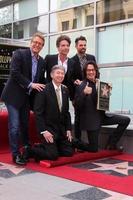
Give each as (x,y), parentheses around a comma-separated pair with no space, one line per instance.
(53,118)
(80,60)
(26,77)
(63,45)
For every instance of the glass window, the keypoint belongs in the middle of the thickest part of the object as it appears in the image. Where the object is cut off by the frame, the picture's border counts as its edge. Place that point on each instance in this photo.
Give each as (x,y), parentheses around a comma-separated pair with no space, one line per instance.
(29,8)
(60,4)
(109,11)
(72,18)
(44,51)
(89,34)
(110,44)
(6,31)
(25,29)
(6,15)
(122,92)
(128,42)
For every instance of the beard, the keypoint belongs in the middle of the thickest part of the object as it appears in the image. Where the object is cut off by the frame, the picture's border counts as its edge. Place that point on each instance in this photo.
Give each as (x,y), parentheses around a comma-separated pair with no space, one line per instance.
(82,51)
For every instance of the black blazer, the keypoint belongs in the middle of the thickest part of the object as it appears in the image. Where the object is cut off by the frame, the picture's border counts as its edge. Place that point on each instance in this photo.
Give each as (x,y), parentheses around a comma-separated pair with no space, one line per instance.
(50,61)
(77,73)
(16,89)
(90,117)
(48,115)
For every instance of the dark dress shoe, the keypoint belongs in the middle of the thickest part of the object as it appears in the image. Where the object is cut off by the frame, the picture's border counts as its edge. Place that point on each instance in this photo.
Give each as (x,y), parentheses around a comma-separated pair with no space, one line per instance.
(28,153)
(18,159)
(114,147)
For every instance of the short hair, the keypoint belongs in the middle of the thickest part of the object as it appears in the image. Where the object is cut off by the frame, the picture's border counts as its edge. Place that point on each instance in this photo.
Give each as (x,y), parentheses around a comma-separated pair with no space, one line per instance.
(38,34)
(61,38)
(55,67)
(80,38)
(91,62)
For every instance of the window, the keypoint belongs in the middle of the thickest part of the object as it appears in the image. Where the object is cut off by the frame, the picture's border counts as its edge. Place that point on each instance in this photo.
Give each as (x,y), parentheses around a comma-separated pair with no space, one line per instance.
(109,11)
(78,17)
(65,26)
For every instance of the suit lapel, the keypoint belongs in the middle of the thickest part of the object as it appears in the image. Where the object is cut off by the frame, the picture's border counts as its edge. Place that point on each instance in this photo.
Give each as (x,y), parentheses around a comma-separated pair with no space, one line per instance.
(63,97)
(39,66)
(28,59)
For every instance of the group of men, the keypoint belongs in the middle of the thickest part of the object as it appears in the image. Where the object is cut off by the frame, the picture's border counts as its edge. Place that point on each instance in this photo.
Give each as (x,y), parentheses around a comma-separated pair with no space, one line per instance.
(27,88)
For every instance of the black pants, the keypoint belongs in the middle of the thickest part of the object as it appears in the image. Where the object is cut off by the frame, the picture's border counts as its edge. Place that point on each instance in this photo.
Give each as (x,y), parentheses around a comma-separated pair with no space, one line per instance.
(93,140)
(77,131)
(121,121)
(51,151)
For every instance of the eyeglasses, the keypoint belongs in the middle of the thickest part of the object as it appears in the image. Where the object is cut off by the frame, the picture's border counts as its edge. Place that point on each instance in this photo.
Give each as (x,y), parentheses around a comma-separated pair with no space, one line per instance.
(37,43)
(91,70)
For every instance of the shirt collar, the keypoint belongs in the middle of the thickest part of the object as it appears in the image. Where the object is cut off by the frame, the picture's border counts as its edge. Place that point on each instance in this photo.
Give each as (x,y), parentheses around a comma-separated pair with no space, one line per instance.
(64,60)
(81,56)
(33,55)
(55,86)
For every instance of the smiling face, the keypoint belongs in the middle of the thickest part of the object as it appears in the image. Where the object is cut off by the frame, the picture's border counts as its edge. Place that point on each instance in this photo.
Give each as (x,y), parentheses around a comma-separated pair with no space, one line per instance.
(63,47)
(36,45)
(91,72)
(81,47)
(57,76)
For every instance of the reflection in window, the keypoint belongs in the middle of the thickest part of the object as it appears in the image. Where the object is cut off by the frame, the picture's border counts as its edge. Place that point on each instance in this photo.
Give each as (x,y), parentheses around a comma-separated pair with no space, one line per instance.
(108,11)
(74,23)
(26,9)
(72,18)
(59,4)
(6,31)
(5,15)
(65,26)
(25,29)
(122,92)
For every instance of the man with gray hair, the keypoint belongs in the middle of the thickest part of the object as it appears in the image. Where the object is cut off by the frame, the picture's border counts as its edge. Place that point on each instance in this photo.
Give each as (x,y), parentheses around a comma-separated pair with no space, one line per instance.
(53,119)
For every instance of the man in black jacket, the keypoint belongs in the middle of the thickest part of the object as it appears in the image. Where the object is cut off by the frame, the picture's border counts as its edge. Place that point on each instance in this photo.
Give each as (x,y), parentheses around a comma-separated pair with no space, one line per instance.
(80,60)
(53,119)
(91,119)
(26,77)
(63,43)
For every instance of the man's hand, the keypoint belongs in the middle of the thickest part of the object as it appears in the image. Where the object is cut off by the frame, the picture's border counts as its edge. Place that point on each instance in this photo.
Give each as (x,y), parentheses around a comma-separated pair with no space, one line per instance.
(69,136)
(37,86)
(77,82)
(48,137)
(87,90)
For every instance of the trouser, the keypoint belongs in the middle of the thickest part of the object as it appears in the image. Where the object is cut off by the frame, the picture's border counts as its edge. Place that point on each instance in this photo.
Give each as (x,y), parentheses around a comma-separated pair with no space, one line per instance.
(91,145)
(122,123)
(77,131)
(93,140)
(18,123)
(51,151)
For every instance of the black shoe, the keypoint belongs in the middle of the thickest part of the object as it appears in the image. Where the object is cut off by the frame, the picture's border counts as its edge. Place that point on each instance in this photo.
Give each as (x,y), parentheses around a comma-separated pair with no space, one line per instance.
(80,145)
(27,153)
(18,159)
(114,147)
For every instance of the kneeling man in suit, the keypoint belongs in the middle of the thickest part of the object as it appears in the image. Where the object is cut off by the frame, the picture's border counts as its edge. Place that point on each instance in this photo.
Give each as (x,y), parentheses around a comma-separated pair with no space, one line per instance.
(53,119)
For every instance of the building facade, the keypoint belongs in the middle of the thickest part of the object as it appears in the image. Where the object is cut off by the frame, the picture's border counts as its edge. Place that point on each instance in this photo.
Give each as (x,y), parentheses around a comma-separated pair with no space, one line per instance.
(107,25)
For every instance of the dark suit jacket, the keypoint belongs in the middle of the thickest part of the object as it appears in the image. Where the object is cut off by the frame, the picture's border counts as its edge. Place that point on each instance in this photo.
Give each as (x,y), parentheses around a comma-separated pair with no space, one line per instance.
(77,73)
(48,115)
(16,89)
(50,61)
(90,117)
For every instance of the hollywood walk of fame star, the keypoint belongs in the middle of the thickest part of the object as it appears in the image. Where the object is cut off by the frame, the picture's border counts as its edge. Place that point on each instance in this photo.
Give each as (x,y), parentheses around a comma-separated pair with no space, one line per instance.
(14,169)
(121,168)
(105,91)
